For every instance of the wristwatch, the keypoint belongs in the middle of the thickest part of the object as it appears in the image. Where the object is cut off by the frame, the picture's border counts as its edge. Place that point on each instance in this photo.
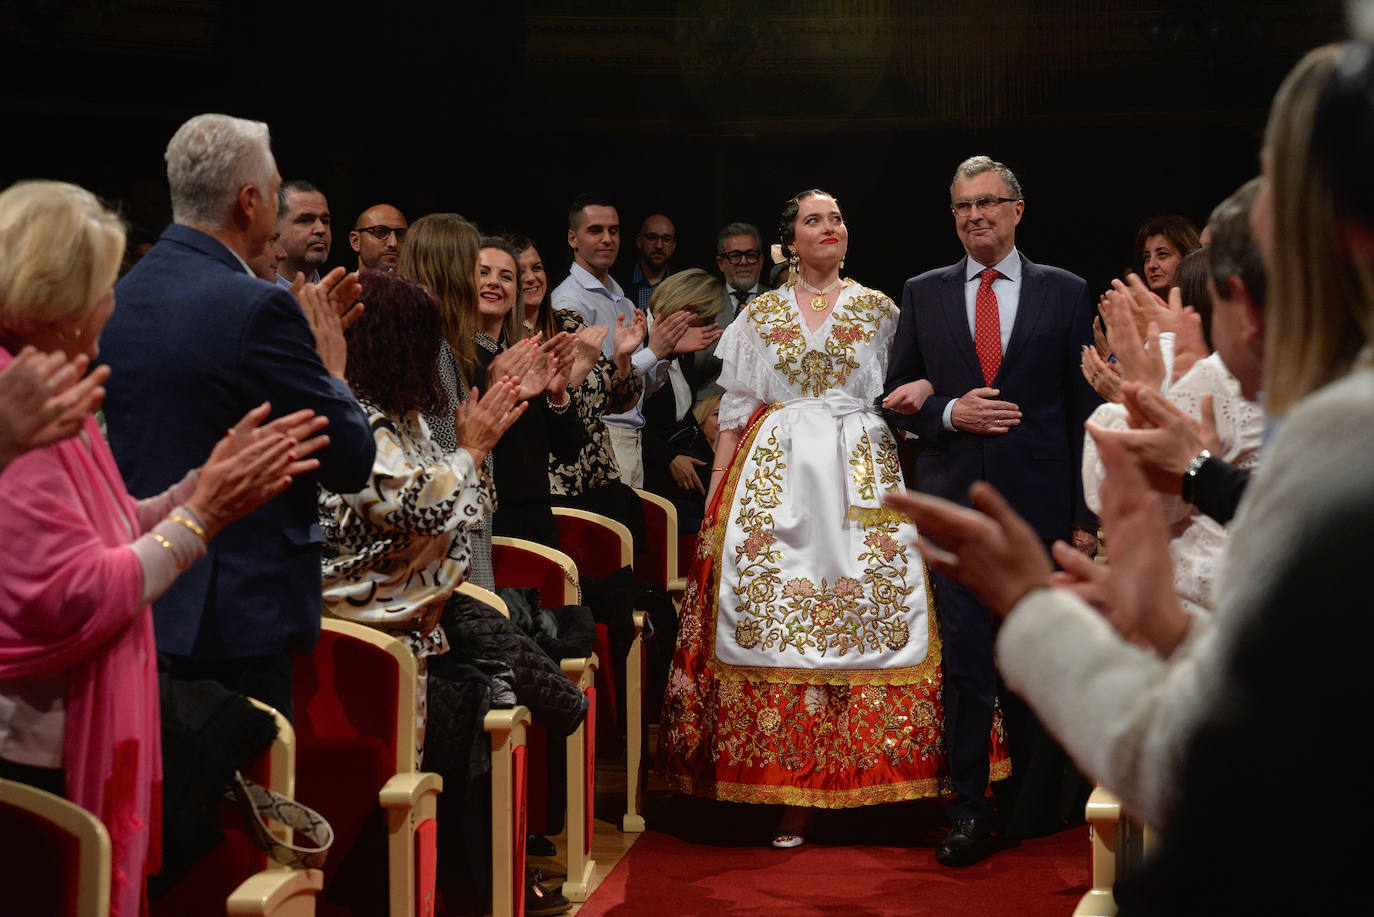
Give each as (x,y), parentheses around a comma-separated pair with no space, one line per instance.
(1189,488)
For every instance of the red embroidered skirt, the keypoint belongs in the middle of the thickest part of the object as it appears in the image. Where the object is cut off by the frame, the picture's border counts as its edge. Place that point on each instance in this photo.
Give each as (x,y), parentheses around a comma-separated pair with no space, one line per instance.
(727,735)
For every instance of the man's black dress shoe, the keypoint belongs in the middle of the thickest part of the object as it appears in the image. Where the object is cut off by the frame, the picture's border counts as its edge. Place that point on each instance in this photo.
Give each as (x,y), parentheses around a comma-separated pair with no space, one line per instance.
(966,843)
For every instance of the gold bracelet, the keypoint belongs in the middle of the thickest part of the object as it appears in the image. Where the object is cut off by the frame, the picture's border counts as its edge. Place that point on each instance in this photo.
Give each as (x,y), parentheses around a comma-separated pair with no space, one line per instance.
(717,468)
(168,545)
(177,517)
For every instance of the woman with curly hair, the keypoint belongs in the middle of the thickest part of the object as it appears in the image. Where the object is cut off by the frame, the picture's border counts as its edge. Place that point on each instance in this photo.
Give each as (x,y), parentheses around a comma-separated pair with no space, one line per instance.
(399,547)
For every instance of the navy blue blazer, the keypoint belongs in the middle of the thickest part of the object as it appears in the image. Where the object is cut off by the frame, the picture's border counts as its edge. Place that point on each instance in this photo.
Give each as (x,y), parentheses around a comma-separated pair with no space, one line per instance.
(194,343)
(1038,464)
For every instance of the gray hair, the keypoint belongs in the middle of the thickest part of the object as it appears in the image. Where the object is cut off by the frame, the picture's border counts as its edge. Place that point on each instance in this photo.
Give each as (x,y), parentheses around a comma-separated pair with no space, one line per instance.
(977,165)
(737,229)
(209,159)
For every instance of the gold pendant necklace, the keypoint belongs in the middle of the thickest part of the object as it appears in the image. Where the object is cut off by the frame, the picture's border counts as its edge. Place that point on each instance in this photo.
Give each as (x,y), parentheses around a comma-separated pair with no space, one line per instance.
(820,302)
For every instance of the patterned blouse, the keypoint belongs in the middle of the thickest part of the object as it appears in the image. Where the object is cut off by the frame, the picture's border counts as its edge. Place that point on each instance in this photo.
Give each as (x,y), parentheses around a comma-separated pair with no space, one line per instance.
(605,391)
(397,548)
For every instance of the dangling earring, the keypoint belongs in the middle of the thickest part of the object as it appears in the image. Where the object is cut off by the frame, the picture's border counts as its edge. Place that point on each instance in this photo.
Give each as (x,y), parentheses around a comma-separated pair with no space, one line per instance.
(841,264)
(793,267)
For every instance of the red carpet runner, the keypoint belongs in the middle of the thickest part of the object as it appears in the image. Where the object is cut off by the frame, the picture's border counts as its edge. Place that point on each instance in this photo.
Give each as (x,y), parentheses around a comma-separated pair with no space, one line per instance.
(706,859)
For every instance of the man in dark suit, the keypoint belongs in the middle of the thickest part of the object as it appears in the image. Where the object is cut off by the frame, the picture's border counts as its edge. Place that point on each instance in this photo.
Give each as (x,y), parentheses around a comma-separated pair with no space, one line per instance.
(1000,339)
(196,341)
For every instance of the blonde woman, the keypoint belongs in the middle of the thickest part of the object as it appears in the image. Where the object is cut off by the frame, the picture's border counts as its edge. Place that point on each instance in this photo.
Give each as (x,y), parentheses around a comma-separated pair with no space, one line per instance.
(82,559)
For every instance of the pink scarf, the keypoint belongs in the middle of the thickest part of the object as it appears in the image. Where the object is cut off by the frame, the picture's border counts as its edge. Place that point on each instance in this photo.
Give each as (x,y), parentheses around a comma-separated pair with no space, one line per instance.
(69,603)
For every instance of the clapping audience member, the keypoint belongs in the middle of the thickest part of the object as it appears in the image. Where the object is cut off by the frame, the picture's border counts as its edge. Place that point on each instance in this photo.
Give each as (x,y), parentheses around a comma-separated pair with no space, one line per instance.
(196,342)
(590,290)
(1210,391)
(1160,244)
(396,549)
(1157,704)
(677,457)
(82,559)
(602,382)
(551,427)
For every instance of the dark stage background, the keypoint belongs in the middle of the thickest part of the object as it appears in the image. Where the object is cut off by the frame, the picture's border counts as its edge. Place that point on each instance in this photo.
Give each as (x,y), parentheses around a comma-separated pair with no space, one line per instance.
(709,111)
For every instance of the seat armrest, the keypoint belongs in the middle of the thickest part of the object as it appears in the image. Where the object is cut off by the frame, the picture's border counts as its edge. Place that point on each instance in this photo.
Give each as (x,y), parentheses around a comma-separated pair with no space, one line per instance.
(403,791)
(276,893)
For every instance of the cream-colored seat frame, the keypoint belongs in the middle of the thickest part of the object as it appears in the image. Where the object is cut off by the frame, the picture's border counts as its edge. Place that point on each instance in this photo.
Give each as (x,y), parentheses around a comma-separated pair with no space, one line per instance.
(92,841)
(582,671)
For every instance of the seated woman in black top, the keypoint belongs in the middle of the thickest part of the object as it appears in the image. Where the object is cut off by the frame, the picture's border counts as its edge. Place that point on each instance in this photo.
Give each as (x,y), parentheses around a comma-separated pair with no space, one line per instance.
(677,455)
(520,460)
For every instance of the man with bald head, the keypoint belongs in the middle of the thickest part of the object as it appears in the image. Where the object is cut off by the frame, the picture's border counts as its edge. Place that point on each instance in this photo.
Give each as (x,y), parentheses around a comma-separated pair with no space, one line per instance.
(656,241)
(377,237)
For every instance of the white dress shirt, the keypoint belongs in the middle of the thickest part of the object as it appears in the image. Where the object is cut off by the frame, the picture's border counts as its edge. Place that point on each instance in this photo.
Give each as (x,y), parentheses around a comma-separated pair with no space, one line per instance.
(599,303)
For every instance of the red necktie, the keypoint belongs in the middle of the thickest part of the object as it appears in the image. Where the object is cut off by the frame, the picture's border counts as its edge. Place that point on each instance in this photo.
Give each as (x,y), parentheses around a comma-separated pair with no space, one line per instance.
(987,328)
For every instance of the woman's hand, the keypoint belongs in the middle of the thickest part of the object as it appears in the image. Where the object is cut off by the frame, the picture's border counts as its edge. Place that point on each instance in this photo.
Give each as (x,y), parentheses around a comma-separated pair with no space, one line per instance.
(1144,607)
(908,398)
(561,350)
(1104,377)
(683,468)
(1147,306)
(44,399)
(514,360)
(251,464)
(1141,361)
(587,352)
(1190,344)
(667,332)
(481,421)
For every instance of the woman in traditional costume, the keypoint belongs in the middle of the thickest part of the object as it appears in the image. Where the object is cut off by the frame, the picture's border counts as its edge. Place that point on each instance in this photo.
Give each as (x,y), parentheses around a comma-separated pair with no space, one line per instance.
(807,668)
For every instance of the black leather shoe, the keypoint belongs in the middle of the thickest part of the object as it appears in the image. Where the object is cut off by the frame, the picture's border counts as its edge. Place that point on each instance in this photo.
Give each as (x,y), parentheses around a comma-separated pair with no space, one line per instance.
(966,843)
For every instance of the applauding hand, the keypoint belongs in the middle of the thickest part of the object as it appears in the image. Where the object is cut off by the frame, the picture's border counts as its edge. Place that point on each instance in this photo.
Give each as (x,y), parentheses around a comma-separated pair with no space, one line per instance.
(251,464)
(481,421)
(44,399)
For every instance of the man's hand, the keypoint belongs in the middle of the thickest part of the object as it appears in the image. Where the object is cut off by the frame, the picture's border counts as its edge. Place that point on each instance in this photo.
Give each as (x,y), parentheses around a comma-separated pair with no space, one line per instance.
(908,398)
(666,332)
(481,421)
(325,323)
(587,352)
(342,290)
(990,549)
(44,399)
(697,338)
(628,334)
(683,469)
(979,412)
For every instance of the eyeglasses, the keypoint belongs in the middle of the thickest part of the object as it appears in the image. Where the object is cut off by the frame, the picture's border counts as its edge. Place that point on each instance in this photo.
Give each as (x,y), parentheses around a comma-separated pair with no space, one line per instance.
(653,238)
(750,256)
(381,232)
(964,208)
